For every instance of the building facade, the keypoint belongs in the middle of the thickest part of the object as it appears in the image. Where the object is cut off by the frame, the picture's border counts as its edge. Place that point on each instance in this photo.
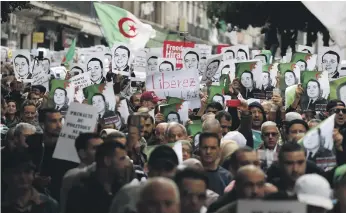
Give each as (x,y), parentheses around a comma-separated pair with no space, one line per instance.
(62,21)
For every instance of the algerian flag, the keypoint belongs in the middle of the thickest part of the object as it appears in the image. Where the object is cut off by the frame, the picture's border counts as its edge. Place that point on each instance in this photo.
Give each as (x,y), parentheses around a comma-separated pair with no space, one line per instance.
(290,95)
(70,53)
(120,25)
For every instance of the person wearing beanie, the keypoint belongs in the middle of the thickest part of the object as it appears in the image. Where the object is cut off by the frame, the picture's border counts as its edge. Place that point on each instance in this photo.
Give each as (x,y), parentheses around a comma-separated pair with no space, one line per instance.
(258,118)
(296,129)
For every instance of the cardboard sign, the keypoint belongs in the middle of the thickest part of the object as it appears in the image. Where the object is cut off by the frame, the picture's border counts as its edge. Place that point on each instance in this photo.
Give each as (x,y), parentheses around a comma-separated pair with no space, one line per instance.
(174,49)
(259,206)
(38,37)
(140,61)
(184,85)
(79,118)
(80,82)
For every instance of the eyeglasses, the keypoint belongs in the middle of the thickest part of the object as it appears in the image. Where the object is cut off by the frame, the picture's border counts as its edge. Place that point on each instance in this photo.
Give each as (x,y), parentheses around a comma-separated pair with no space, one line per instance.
(267,134)
(337,111)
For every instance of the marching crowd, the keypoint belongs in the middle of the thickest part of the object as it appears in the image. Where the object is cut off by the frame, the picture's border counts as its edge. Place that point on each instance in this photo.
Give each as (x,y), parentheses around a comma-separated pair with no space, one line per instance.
(116,175)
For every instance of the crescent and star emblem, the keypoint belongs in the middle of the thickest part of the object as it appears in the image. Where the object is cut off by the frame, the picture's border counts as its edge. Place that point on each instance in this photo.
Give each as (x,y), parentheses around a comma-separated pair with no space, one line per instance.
(131,25)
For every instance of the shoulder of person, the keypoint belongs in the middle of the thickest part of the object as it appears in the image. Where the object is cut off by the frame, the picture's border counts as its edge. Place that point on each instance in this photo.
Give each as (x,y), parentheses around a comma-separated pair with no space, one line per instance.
(50,204)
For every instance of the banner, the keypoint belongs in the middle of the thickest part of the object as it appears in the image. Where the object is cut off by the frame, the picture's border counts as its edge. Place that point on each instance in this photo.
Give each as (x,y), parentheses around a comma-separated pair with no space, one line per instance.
(184,85)
(79,118)
(174,49)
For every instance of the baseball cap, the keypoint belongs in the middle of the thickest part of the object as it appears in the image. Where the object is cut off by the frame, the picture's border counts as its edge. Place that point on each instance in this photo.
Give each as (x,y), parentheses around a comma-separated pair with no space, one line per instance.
(314,190)
(333,103)
(150,96)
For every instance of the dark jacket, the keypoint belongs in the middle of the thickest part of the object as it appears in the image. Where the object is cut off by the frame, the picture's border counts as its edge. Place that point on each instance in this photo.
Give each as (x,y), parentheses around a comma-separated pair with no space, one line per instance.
(90,197)
(223,200)
(48,166)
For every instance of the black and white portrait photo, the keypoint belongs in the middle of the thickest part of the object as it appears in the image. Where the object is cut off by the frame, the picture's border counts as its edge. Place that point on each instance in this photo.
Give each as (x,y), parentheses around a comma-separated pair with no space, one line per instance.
(95,68)
(262,57)
(313,143)
(219,98)
(290,78)
(242,55)
(313,99)
(61,99)
(121,59)
(191,59)
(22,65)
(173,117)
(166,64)
(330,63)
(247,80)
(267,81)
(302,65)
(202,66)
(229,55)
(212,72)
(76,70)
(152,63)
(99,101)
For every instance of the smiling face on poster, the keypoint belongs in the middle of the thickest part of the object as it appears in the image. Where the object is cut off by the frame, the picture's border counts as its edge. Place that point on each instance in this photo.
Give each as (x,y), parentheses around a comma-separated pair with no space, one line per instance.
(22,64)
(228,53)
(302,65)
(166,64)
(212,72)
(191,57)
(152,63)
(76,69)
(329,59)
(121,59)
(95,67)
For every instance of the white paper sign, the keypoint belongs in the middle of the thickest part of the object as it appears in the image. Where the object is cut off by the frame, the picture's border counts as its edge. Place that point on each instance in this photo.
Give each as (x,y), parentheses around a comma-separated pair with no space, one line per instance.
(180,84)
(140,61)
(79,118)
(212,72)
(191,58)
(80,82)
(22,64)
(121,59)
(257,206)
(124,110)
(166,64)
(41,79)
(204,50)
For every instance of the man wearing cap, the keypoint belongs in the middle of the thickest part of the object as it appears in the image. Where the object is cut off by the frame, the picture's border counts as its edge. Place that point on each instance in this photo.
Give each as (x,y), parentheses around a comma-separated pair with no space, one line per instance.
(149,100)
(337,107)
(314,191)
(162,163)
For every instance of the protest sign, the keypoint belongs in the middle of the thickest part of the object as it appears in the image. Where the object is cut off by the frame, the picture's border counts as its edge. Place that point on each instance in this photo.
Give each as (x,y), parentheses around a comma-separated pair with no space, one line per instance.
(95,67)
(250,76)
(174,49)
(124,110)
(96,95)
(152,63)
(176,112)
(318,141)
(305,49)
(212,72)
(184,85)
(220,47)
(289,75)
(338,89)
(259,206)
(264,55)
(140,61)
(290,94)
(166,64)
(329,59)
(79,118)
(22,65)
(215,94)
(76,69)
(80,82)
(305,61)
(58,72)
(41,79)
(156,51)
(122,58)
(316,90)
(204,50)
(191,58)
(61,93)
(241,52)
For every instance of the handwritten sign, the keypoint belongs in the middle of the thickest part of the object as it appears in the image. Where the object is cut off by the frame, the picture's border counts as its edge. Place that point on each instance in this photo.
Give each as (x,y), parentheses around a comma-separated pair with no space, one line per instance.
(174,49)
(256,206)
(184,85)
(140,61)
(41,78)
(79,118)
(204,50)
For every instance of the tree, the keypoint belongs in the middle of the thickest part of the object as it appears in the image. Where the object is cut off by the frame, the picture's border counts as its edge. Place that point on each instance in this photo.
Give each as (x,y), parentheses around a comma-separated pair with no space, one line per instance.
(284,15)
(8,7)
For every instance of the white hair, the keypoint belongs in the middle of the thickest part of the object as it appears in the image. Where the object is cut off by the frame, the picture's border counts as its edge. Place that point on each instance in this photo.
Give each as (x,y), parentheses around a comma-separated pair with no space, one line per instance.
(21,126)
(209,124)
(172,125)
(268,123)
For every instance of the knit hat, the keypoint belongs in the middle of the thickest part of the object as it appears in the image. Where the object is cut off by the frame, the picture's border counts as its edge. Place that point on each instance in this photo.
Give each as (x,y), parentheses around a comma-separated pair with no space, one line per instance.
(259,106)
(297,121)
(293,116)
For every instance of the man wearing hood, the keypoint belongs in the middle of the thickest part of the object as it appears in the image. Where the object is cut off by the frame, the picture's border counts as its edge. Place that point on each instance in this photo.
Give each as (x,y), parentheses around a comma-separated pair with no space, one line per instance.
(258,118)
